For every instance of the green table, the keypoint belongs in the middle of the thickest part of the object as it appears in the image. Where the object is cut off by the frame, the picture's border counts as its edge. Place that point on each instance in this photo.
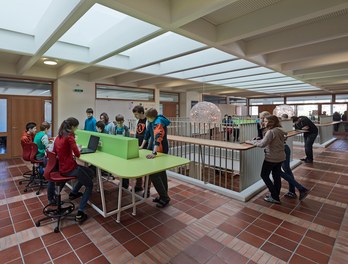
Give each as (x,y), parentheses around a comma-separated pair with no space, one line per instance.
(128,168)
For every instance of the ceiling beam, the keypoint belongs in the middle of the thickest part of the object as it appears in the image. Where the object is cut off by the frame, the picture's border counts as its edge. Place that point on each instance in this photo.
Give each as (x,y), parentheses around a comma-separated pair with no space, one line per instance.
(323,75)
(324,60)
(321,69)
(324,30)
(336,46)
(279,15)
(104,74)
(183,11)
(130,77)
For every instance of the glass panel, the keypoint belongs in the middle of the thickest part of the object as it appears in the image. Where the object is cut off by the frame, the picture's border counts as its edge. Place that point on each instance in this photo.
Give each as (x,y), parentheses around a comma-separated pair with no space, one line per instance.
(326,109)
(124,93)
(3,115)
(48,115)
(25,88)
(311,111)
(340,108)
(254,110)
(266,101)
(3,145)
(169,97)
(309,99)
(341,98)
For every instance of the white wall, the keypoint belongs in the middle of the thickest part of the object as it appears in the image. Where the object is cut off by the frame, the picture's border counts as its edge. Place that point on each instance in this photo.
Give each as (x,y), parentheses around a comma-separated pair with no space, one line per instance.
(72,104)
(113,107)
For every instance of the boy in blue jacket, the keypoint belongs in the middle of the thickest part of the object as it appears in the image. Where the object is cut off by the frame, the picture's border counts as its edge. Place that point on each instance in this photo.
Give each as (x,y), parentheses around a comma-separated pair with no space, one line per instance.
(90,122)
(158,132)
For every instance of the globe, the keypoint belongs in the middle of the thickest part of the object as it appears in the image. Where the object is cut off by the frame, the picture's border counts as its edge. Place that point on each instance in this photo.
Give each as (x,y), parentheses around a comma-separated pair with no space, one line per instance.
(205,112)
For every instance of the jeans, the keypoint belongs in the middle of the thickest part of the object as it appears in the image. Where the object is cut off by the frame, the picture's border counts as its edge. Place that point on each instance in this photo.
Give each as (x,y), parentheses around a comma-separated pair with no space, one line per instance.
(309,141)
(287,172)
(275,186)
(84,177)
(160,182)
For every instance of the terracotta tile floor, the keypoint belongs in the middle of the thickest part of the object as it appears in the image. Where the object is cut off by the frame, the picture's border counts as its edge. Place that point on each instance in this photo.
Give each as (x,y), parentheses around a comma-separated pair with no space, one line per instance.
(200,226)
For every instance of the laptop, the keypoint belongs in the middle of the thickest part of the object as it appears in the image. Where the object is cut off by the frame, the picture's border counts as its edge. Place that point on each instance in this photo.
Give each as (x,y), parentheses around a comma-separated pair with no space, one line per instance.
(92,145)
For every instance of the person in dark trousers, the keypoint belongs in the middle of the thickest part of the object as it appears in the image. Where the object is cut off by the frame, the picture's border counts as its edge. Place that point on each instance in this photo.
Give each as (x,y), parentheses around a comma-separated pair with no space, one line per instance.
(304,123)
(139,114)
(158,131)
(65,146)
(273,142)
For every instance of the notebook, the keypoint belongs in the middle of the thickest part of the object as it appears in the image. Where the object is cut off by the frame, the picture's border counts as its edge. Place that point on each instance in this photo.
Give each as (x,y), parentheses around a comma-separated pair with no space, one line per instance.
(92,145)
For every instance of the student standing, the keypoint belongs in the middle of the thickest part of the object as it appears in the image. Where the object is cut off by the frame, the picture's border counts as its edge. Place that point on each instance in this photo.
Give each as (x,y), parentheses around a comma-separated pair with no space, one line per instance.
(139,114)
(109,126)
(90,122)
(29,133)
(121,128)
(273,142)
(158,131)
(65,146)
(303,122)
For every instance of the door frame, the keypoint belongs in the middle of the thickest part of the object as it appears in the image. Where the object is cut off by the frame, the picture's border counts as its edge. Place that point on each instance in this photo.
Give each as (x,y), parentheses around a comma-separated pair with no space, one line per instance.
(8,133)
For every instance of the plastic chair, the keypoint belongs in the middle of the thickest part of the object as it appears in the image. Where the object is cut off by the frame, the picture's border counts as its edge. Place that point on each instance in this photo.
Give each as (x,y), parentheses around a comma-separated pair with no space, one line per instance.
(57,211)
(35,179)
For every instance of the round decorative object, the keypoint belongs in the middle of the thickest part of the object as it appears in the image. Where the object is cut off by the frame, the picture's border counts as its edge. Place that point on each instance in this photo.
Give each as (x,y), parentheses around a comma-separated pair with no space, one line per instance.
(284,109)
(205,112)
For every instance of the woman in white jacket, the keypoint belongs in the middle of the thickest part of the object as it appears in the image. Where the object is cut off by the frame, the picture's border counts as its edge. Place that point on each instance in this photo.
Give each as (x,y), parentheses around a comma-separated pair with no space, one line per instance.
(273,142)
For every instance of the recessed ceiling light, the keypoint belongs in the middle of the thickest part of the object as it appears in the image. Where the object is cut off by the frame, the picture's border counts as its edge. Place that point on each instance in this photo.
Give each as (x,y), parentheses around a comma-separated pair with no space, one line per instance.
(50,62)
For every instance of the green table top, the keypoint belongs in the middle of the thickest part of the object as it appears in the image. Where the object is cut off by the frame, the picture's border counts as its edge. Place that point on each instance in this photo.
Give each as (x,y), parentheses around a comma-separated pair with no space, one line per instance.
(133,168)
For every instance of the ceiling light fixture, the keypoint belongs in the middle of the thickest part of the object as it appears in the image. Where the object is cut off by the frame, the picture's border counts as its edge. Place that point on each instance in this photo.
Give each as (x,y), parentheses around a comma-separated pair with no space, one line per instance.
(50,62)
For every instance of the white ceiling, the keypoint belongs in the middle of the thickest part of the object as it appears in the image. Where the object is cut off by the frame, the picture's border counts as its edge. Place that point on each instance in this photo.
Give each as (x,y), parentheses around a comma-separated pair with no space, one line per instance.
(248,48)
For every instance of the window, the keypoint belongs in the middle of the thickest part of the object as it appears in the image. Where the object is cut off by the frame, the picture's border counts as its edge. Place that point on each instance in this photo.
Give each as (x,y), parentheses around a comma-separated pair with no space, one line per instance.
(341,98)
(267,101)
(27,88)
(309,99)
(3,115)
(124,93)
(254,110)
(169,97)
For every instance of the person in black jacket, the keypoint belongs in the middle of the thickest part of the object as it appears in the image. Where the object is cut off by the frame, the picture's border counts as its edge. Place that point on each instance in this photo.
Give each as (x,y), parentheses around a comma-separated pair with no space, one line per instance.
(304,123)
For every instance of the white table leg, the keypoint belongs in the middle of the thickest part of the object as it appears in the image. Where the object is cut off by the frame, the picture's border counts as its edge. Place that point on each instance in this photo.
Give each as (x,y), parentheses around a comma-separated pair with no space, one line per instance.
(119,201)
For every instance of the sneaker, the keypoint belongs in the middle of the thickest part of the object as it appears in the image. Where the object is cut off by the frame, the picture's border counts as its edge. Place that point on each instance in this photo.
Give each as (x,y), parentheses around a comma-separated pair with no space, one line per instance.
(291,195)
(303,194)
(308,161)
(271,200)
(304,159)
(156,200)
(73,196)
(81,217)
(162,203)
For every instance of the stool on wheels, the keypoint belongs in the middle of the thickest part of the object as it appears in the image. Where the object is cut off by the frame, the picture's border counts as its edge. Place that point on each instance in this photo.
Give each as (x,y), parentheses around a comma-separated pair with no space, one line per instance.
(36,179)
(57,211)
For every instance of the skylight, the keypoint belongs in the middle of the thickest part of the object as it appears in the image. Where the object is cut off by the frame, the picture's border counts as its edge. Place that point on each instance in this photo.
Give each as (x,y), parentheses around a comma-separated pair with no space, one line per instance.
(193,60)
(213,69)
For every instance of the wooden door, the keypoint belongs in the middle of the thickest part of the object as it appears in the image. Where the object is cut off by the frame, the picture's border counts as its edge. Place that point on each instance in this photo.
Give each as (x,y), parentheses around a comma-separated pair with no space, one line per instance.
(24,110)
(170,109)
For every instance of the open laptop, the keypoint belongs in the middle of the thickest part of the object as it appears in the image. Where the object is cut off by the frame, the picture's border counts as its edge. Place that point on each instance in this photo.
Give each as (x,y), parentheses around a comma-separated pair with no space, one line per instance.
(92,145)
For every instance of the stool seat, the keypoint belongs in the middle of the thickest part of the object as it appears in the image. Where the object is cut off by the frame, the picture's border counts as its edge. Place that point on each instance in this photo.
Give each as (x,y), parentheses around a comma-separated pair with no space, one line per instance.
(52,174)
(57,177)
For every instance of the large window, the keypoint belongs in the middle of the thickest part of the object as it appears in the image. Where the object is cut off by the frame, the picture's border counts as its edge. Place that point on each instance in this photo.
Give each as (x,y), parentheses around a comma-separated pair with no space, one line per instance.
(27,88)
(311,111)
(267,101)
(169,97)
(309,99)
(124,93)
(341,98)
(3,115)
